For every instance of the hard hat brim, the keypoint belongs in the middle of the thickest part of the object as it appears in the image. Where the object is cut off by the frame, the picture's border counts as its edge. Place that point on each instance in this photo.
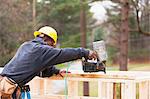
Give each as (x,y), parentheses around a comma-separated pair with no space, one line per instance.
(36,33)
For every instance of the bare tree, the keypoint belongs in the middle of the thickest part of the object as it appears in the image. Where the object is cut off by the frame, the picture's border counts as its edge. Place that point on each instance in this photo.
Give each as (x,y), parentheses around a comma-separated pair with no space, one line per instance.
(15,25)
(143,8)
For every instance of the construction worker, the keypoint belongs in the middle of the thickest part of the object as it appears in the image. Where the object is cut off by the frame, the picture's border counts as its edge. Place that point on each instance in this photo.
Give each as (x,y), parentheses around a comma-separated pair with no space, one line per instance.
(37,57)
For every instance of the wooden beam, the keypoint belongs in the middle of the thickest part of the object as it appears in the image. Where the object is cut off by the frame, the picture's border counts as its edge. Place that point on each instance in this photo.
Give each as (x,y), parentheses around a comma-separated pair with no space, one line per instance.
(62,97)
(143,90)
(128,80)
(125,75)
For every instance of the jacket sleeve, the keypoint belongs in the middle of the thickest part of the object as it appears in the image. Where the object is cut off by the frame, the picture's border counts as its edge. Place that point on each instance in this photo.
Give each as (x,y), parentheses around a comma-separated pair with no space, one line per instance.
(53,56)
(48,72)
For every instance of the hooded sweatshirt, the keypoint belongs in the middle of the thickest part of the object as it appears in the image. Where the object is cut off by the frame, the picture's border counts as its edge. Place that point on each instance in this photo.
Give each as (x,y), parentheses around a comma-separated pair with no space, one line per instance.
(35,56)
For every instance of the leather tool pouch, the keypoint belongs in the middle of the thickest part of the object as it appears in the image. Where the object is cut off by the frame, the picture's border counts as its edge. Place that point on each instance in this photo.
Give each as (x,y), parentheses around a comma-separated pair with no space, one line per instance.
(6,87)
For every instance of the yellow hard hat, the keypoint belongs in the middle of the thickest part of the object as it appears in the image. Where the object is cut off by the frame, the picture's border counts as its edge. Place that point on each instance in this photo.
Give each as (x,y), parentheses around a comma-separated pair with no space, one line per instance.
(49,31)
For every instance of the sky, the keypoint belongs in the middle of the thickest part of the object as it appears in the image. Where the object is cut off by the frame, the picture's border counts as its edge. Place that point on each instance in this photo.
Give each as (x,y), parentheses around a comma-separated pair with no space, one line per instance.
(98,9)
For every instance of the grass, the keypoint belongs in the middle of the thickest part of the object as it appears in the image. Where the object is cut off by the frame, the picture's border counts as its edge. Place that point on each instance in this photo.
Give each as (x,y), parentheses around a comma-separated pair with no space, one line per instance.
(132,67)
(139,67)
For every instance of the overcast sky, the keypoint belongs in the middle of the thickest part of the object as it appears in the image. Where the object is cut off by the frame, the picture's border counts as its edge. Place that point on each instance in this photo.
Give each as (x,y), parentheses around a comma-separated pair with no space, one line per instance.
(99,9)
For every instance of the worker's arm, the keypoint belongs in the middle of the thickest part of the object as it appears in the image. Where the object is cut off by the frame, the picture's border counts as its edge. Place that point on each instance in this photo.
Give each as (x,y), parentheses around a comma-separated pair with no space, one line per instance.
(53,56)
(49,72)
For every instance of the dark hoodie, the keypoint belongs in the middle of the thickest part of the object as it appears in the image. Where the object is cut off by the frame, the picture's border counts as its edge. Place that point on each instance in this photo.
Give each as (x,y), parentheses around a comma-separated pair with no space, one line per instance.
(35,56)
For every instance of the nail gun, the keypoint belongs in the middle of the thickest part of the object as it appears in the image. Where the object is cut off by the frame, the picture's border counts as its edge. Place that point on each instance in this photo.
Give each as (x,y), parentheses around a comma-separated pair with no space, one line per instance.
(100,64)
(89,66)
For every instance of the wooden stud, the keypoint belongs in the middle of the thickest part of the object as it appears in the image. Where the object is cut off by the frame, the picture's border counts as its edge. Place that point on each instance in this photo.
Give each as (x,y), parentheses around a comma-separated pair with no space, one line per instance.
(72,88)
(128,90)
(143,90)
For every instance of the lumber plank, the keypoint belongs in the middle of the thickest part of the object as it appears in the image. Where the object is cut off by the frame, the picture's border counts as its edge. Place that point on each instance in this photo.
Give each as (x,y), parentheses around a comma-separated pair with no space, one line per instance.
(143,90)
(127,79)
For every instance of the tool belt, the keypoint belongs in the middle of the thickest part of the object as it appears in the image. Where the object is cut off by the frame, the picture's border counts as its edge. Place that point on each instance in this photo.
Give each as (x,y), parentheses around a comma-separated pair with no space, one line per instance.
(7,87)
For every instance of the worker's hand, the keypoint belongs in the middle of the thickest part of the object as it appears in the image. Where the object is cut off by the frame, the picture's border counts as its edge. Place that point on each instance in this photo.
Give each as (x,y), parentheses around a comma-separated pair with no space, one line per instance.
(63,72)
(92,55)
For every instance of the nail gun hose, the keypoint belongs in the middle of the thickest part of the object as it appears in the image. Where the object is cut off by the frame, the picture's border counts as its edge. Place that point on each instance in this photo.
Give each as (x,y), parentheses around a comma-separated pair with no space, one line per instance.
(66,85)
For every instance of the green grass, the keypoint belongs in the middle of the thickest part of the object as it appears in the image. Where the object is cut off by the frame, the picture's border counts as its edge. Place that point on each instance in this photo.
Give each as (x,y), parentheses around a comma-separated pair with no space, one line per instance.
(61,66)
(131,67)
(139,67)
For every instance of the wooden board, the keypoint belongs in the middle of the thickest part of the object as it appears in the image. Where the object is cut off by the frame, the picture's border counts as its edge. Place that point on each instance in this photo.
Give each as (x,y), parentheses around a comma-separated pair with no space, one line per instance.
(106,82)
(126,75)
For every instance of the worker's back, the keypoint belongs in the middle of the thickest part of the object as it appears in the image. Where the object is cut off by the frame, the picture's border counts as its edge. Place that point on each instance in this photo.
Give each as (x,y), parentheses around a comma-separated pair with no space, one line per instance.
(23,65)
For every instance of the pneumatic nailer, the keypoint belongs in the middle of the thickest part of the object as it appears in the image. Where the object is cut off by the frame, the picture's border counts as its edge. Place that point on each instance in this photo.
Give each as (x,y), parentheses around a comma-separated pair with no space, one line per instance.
(100,63)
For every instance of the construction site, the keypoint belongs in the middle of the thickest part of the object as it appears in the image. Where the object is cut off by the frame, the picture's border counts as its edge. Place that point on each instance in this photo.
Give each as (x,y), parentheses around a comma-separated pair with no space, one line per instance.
(75,49)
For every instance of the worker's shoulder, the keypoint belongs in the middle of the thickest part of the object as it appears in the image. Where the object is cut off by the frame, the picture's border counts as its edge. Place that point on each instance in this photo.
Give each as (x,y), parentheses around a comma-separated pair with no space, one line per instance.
(40,45)
(29,45)
(37,45)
